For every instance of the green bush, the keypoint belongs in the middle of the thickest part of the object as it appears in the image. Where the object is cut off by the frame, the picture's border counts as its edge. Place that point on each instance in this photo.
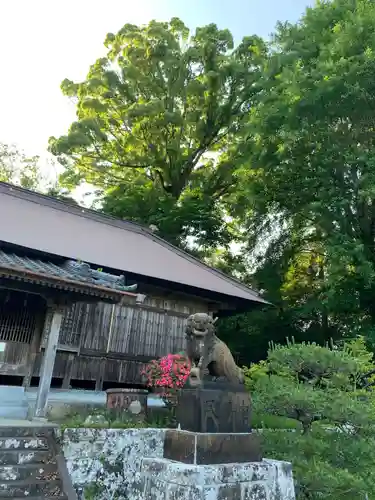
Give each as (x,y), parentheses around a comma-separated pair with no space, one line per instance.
(317,388)
(266,421)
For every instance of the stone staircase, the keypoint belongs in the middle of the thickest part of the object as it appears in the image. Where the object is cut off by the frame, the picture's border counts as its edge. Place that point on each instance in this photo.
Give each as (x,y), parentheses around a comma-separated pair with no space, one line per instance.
(32,466)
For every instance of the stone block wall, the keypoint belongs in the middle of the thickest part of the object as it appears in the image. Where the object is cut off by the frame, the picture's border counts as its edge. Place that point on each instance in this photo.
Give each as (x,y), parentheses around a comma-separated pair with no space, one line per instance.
(130,462)
(168,480)
(111,458)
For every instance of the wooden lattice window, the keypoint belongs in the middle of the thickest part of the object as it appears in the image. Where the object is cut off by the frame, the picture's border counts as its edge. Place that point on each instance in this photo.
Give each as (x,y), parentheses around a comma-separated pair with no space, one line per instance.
(18,313)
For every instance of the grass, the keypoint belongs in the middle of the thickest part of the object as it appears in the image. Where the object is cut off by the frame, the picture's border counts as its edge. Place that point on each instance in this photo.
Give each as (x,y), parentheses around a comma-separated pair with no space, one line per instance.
(110,420)
(263,421)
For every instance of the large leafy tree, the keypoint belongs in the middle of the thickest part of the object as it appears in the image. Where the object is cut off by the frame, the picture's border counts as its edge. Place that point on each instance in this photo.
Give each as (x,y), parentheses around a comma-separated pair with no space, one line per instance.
(309,179)
(18,168)
(156,120)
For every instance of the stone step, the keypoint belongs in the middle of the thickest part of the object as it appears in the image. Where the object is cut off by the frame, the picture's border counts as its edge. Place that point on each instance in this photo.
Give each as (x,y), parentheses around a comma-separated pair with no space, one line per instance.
(64,497)
(26,431)
(26,489)
(21,457)
(29,472)
(23,443)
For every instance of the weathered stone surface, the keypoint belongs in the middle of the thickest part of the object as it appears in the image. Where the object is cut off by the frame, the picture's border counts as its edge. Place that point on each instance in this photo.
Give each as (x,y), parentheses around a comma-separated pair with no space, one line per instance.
(30,472)
(24,489)
(230,448)
(35,432)
(154,489)
(215,408)
(254,492)
(203,448)
(183,492)
(18,457)
(130,462)
(225,491)
(110,457)
(281,481)
(268,480)
(180,446)
(23,443)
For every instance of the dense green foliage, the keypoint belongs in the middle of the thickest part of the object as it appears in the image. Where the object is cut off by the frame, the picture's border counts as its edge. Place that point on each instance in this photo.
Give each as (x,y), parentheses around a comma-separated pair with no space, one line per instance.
(333,450)
(270,145)
(156,119)
(307,192)
(267,144)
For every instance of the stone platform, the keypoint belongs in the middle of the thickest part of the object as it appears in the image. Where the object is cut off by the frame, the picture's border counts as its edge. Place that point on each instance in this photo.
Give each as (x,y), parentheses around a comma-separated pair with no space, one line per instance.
(163,479)
(214,466)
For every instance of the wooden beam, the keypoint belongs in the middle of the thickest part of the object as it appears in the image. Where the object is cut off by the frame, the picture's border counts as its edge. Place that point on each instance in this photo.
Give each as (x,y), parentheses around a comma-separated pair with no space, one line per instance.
(69,371)
(100,379)
(54,318)
(65,348)
(34,348)
(118,356)
(18,370)
(146,307)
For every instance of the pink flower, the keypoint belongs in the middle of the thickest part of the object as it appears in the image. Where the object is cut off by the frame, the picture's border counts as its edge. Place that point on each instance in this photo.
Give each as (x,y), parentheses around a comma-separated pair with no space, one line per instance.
(170,371)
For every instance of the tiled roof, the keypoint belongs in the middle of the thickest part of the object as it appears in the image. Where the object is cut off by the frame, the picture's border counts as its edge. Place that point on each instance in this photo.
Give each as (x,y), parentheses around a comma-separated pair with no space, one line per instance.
(68,274)
(43,223)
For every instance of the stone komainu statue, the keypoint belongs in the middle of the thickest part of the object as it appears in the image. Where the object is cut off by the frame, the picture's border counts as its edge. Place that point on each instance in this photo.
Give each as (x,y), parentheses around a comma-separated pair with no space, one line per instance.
(207,353)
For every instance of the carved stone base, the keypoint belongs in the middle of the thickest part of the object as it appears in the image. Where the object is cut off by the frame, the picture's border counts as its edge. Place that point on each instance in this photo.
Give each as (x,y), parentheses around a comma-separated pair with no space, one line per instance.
(215,407)
(204,448)
(163,479)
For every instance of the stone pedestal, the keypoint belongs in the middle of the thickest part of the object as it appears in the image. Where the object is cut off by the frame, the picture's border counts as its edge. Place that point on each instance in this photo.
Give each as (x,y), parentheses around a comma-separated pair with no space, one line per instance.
(215,407)
(131,401)
(205,448)
(163,479)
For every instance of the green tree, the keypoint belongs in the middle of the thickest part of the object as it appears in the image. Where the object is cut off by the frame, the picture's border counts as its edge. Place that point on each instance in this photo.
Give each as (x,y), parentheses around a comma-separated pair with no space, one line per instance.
(156,120)
(26,171)
(332,450)
(310,169)
(18,168)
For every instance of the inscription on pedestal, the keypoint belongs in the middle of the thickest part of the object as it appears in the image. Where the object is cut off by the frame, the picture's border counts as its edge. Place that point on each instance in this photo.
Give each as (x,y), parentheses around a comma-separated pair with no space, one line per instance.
(215,407)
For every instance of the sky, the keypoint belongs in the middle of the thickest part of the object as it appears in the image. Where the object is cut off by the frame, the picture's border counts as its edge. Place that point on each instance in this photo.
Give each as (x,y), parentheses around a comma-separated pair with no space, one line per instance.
(42,42)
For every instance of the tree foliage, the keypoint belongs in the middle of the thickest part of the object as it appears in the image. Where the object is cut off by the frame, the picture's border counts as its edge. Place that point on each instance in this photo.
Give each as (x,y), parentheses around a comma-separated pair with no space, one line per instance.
(26,171)
(308,183)
(18,168)
(268,143)
(156,118)
(333,452)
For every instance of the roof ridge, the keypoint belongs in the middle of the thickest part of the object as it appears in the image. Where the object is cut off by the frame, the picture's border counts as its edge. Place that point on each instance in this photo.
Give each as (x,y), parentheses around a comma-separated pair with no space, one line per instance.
(125,224)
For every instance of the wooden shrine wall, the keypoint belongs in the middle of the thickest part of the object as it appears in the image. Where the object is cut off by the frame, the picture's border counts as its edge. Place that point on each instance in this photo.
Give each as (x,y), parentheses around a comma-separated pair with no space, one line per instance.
(110,343)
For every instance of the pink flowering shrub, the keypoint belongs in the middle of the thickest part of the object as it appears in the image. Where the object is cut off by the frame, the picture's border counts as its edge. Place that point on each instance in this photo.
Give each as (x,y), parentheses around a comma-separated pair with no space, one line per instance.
(168,373)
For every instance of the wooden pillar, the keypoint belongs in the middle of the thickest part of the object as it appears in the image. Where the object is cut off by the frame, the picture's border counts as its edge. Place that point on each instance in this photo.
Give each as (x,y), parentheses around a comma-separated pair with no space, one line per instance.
(55,315)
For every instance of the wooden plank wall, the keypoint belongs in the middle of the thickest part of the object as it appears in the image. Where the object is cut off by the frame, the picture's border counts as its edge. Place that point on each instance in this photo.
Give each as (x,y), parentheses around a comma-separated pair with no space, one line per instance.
(101,342)
(13,361)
